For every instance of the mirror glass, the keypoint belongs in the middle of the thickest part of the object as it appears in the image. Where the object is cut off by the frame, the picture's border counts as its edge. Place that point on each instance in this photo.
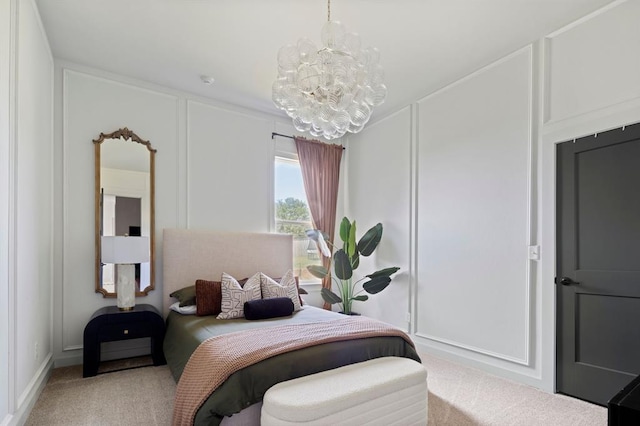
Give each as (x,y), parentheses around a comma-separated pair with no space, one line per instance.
(124,203)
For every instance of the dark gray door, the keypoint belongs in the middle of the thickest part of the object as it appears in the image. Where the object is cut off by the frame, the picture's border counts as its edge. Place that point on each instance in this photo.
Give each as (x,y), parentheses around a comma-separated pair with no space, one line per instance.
(598,264)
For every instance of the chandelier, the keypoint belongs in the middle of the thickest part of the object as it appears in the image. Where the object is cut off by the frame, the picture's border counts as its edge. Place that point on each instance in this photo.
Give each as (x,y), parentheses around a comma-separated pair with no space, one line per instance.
(331,90)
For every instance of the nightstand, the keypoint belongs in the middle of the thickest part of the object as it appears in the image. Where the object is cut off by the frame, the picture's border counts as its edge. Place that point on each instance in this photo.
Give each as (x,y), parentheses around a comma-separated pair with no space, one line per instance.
(111,324)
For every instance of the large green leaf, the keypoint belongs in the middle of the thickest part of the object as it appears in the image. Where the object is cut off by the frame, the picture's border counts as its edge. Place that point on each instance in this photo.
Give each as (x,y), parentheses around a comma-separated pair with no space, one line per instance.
(361,298)
(376,285)
(355,261)
(329,296)
(384,272)
(318,271)
(342,265)
(370,240)
(344,229)
(351,247)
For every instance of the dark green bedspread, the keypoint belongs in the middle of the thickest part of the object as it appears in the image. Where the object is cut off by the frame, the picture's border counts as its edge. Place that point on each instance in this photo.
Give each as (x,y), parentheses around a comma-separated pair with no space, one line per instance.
(247,386)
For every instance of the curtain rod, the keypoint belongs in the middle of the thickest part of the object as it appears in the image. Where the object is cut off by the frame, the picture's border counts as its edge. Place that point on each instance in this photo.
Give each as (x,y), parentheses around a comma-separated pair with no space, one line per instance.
(274,134)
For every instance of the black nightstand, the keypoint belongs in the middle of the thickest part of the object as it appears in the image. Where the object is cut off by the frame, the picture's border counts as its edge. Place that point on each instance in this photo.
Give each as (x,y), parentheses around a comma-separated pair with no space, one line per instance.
(110,324)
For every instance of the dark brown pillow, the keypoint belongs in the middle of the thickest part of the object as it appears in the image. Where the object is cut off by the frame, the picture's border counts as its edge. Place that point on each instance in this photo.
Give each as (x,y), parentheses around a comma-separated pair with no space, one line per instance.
(209,297)
(186,296)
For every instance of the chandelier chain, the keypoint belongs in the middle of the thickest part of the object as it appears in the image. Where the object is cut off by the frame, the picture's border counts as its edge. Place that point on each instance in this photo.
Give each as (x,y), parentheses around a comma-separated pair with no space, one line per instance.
(328,10)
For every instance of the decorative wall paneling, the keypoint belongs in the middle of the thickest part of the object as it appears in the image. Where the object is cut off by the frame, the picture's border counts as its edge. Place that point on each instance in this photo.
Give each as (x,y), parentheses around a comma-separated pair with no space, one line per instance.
(93,104)
(474,211)
(26,221)
(378,189)
(211,165)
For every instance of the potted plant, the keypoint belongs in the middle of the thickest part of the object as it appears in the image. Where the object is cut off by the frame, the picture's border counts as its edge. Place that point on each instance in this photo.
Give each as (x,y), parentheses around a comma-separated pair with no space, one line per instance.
(345,261)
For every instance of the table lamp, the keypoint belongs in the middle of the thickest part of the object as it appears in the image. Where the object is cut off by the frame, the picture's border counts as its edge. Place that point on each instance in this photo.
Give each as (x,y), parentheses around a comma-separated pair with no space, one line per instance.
(125,252)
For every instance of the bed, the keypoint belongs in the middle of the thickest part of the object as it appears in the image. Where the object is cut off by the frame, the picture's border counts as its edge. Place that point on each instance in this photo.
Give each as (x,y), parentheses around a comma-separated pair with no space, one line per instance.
(189,255)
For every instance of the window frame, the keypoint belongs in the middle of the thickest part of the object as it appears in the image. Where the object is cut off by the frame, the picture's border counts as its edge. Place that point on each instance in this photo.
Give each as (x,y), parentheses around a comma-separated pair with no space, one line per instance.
(285,152)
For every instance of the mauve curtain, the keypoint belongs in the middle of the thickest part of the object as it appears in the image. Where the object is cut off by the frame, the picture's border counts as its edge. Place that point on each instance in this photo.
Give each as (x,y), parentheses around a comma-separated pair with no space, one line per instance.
(320,166)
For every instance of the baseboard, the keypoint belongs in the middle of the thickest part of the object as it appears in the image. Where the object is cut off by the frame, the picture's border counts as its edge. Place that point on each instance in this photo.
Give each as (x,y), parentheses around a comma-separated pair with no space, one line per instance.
(30,396)
(7,420)
(68,358)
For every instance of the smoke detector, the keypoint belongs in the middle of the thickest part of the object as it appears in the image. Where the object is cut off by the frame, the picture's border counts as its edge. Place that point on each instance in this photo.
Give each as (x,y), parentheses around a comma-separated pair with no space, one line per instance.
(207,79)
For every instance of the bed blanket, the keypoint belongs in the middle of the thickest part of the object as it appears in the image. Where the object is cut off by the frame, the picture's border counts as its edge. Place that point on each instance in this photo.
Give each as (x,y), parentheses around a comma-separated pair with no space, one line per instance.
(219,357)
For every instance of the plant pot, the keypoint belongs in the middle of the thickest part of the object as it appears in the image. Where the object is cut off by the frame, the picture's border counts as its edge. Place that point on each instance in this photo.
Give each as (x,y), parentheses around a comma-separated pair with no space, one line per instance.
(351,313)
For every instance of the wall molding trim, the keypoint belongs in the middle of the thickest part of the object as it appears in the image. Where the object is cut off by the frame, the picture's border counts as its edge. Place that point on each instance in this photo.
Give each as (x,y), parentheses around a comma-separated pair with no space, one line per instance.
(482,70)
(529,268)
(606,118)
(67,74)
(586,18)
(168,91)
(32,392)
(501,368)
(481,351)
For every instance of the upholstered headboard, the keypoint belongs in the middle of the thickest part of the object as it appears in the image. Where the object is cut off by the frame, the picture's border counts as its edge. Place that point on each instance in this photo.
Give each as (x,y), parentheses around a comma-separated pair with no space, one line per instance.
(190,254)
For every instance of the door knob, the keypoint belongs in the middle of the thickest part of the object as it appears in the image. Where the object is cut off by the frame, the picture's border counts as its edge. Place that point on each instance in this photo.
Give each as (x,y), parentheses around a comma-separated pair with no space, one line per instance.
(568,281)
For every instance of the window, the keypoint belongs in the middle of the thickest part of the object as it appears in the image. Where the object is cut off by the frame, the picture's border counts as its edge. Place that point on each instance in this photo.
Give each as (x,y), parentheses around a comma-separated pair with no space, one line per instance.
(292,215)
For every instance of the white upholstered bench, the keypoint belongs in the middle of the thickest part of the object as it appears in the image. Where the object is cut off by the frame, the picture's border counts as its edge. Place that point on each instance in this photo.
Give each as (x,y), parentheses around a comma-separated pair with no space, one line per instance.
(382,391)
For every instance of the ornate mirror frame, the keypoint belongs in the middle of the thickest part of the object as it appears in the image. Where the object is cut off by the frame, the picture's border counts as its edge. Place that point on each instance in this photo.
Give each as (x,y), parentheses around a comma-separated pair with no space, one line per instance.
(128,136)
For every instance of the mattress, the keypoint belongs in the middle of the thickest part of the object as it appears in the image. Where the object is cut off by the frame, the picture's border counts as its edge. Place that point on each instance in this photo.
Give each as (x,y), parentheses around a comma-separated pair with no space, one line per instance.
(248,386)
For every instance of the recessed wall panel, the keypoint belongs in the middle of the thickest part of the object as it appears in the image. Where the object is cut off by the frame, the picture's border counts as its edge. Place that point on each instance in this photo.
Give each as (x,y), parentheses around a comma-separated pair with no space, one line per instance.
(378,190)
(32,218)
(93,105)
(227,168)
(473,211)
(594,65)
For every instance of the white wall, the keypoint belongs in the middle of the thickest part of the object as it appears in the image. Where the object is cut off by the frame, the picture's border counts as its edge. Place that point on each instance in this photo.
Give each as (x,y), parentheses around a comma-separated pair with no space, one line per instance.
(6,136)
(378,189)
(26,193)
(214,169)
(483,155)
(576,81)
(472,211)
(228,161)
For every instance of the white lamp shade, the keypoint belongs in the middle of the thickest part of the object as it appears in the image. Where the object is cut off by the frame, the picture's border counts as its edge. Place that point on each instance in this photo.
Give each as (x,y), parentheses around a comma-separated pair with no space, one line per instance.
(123,250)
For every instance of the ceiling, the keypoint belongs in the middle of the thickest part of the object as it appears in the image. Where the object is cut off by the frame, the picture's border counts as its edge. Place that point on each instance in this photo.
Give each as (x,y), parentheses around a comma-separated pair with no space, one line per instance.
(424,44)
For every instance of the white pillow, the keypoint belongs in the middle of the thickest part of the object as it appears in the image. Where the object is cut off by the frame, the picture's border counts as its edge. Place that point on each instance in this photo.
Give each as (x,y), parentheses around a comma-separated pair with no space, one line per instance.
(234,296)
(184,310)
(286,288)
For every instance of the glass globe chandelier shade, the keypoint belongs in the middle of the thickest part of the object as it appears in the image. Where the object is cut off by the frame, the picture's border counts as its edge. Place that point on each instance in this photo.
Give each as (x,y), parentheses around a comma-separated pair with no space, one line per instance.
(331,90)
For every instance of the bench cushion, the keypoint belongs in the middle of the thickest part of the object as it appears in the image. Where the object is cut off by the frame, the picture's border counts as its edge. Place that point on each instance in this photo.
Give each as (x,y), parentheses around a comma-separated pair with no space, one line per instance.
(379,391)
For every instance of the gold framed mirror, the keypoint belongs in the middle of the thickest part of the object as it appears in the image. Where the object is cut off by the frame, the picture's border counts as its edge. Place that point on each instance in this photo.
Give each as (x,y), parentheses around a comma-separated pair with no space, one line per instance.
(124,204)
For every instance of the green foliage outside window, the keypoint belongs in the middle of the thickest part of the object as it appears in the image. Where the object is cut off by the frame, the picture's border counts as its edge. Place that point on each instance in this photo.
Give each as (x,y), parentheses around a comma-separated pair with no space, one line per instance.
(292,217)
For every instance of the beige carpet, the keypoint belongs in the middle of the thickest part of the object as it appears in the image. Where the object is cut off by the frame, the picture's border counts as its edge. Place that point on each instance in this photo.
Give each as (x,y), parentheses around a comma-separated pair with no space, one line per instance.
(463,396)
(458,396)
(139,396)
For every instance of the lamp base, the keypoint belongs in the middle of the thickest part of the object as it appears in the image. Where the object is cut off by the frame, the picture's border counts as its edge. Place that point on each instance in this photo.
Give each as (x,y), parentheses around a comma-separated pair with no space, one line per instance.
(126,287)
